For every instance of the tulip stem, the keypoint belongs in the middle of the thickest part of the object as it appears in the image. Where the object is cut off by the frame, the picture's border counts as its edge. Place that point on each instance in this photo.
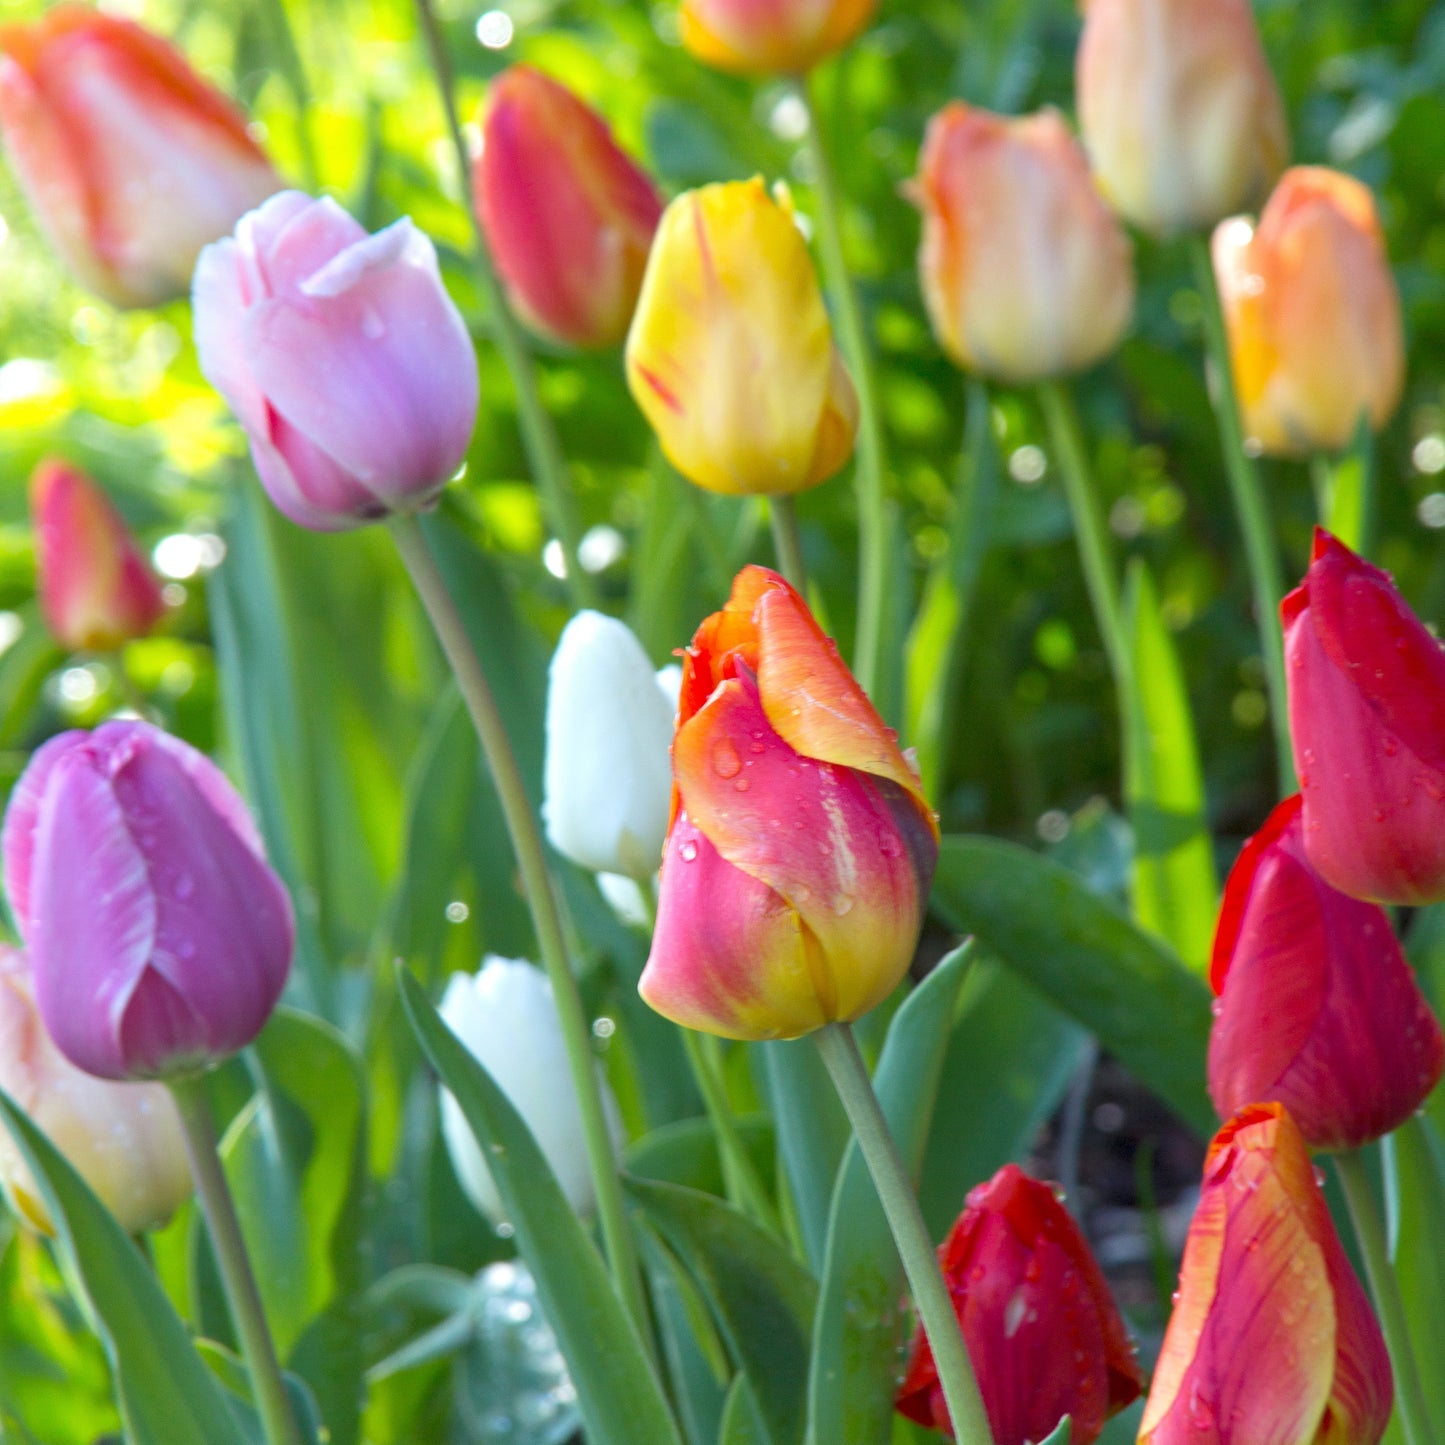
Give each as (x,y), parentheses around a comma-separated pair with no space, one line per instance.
(267,1387)
(539,436)
(1370,1233)
(787,541)
(930,1294)
(872,462)
(526,839)
(1266,577)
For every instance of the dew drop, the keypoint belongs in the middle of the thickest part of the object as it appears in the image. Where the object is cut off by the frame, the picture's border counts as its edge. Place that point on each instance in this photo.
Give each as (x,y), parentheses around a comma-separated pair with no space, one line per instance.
(741,785)
(184,886)
(372,326)
(688,851)
(725,760)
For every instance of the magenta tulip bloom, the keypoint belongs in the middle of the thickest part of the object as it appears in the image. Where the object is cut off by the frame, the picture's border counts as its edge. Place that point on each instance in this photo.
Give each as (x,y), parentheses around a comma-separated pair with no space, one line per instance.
(1367,716)
(342,356)
(1318,1009)
(159,937)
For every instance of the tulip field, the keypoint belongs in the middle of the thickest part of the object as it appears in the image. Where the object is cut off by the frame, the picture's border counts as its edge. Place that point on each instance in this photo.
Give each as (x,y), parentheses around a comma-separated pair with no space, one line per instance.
(722,722)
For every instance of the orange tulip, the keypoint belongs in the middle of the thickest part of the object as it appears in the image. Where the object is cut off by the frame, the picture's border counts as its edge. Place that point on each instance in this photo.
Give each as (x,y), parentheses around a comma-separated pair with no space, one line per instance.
(770,37)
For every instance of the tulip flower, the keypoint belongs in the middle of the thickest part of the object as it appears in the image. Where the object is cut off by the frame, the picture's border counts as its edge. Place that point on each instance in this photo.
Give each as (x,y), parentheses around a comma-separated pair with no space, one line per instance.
(1042,1330)
(1318,1008)
(159,937)
(124,1140)
(569,218)
(770,37)
(95,589)
(343,358)
(608,782)
(1272,1340)
(1181,117)
(130,160)
(731,356)
(506,1017)
(1026,273)
(1367,719)
(1315,337)
(801,850)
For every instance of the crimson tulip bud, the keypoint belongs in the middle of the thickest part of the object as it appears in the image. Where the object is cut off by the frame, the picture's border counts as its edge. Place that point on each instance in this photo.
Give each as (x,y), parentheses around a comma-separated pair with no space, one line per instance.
(770,37)
(1367,719)
(131,161)
(801,850)
(1272,1340)
(569,218)
(95,589)
(343,357)
(1315,338)
(159,936)
(1318,1008)
(1026,272)
(1042,1330)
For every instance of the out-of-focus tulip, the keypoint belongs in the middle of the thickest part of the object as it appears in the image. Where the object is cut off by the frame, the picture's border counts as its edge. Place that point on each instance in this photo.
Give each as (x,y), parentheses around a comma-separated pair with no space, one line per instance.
(1315,337)
(1042,1330)
(95,589)
(1272,1341)
(801,849)
(1180,114)
(1026,272)
(1367,719)
(124,1140)
(506,1016)
(608,782)
(131,161)
(770,37)
(1318,1008)
(159,937)
(731,356)
(569,217)
(342,356)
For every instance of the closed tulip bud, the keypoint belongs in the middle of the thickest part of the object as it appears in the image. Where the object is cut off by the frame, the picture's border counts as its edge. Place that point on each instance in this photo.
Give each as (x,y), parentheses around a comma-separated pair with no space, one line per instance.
(770,37)
(608,782)
(131,161)
(1272,1341)
(124,1140)
(343,358)
(1367,719)
(1042,1330)
(159,937)
(1026,273)
(731,356)
(507,1018)
(801,850)
(569,217)
(1180,114)
(95,589)
(1318,1008)
(1315,338)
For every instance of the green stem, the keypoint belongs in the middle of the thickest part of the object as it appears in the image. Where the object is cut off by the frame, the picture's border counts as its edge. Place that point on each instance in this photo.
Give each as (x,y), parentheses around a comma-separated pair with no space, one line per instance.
(1266,578)
(267,1386)
(537,885)
(872,462)
(539,436)
(1385,1288)
(787,542)
(930,1294)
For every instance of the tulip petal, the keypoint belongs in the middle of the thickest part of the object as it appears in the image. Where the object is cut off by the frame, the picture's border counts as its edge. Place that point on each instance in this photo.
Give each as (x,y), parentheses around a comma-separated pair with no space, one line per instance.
(22,817)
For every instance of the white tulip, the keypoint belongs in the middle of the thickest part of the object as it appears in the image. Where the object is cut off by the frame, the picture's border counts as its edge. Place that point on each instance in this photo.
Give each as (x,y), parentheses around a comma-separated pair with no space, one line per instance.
(608,780)
(506,1017)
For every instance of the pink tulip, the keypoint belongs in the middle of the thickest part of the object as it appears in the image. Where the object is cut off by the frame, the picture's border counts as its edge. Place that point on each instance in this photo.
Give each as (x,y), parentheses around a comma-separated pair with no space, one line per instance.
(159,936)
(342,356)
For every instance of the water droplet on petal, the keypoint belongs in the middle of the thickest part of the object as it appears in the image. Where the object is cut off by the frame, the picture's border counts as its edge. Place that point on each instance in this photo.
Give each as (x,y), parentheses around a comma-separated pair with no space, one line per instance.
(688,851)
(725,760)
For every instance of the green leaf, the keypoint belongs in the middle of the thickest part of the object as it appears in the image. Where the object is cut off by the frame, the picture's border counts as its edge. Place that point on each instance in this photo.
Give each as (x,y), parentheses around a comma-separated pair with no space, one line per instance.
(696,1358)
(762,1298)
(167,1395)
(1088,960)
(860,1315)
(617,1392)
(687,1152)
(1059,1436)
(741,1424)
(1175,886)
(1419,1254)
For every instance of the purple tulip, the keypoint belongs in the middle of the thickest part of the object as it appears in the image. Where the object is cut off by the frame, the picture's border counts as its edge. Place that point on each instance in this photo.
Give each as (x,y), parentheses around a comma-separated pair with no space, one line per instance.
(342,356)
(159,936)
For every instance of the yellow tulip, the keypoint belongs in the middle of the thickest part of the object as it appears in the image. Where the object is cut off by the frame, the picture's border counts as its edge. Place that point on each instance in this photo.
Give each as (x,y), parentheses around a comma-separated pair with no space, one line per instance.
(774,37)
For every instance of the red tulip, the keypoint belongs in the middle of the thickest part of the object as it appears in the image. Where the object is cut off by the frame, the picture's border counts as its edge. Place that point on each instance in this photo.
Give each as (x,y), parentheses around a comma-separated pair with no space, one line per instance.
(1044,1335)
(1318,1008)
(1367,717)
